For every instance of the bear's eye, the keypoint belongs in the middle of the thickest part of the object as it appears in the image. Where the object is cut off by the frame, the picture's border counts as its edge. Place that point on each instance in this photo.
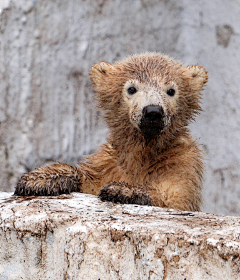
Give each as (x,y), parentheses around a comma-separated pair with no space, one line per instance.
(131,90)
(171,92)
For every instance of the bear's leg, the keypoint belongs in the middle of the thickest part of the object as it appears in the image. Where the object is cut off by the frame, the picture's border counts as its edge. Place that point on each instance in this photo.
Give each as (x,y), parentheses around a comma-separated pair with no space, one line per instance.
(56,179)
(126,194)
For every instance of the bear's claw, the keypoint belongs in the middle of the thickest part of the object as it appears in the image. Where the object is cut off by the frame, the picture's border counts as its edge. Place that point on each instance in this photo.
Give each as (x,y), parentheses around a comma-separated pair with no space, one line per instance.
(51,180)
(123,193)
(52,187)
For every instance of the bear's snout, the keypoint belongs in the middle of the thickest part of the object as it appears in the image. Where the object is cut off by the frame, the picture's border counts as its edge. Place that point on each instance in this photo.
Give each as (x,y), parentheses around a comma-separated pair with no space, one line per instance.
(152,121)
(152,113)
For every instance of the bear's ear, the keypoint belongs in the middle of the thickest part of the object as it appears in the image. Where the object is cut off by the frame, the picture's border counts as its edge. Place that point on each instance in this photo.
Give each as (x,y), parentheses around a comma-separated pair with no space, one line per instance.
(100,70)
(196,75)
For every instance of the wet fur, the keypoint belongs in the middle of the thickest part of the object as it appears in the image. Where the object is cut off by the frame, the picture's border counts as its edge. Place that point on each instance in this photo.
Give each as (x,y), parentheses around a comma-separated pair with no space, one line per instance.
(132,167)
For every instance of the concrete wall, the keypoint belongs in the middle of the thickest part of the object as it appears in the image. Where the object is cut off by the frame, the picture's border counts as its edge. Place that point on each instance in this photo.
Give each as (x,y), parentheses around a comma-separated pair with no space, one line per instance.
(85,239)
(46,100)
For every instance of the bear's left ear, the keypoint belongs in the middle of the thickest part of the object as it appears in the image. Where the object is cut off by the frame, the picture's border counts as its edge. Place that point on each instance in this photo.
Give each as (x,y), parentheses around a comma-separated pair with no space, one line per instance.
(196,75)
(100,70)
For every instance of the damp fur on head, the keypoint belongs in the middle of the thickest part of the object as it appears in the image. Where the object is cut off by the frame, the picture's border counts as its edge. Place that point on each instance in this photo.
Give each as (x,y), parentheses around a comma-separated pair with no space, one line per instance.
(153,74)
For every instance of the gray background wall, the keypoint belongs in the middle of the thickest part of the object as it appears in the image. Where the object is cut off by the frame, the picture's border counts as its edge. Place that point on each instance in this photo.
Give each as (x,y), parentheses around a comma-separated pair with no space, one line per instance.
(46,101)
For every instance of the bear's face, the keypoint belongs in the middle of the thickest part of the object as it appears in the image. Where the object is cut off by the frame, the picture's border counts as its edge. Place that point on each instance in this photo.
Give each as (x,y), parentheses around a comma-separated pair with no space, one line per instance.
(151,91)
(151,104)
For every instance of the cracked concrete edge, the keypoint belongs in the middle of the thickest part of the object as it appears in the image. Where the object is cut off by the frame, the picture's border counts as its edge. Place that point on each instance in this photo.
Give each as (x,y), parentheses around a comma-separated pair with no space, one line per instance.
(79,237)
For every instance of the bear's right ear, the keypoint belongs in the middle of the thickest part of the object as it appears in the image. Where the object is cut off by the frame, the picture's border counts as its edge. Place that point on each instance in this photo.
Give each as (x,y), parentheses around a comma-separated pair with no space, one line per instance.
(100,70)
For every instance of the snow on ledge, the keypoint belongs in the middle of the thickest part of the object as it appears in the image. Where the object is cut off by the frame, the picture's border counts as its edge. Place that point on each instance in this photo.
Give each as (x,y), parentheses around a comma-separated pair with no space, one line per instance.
(79,237)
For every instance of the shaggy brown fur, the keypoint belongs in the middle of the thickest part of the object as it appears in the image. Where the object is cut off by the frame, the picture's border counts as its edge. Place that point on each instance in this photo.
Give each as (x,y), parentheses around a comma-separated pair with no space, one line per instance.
(150,157)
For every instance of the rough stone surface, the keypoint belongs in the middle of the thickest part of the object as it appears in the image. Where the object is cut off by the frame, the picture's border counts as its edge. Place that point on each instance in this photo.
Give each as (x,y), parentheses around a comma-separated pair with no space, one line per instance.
(46,100)
(78,237)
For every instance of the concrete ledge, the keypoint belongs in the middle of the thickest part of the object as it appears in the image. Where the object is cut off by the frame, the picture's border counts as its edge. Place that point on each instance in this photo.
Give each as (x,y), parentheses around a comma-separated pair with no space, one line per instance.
(78,237)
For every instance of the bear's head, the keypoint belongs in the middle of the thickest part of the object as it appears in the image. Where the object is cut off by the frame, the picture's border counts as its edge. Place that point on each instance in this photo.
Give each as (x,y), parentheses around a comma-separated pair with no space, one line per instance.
(150,93)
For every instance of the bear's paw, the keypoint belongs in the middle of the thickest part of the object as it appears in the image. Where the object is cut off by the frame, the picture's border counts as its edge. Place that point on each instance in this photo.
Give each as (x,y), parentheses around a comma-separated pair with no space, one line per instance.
(121,192)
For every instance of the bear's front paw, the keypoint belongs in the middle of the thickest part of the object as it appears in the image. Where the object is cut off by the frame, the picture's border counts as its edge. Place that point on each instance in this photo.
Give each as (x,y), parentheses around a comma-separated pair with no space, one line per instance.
(29,184)
(51,180)
(123,193)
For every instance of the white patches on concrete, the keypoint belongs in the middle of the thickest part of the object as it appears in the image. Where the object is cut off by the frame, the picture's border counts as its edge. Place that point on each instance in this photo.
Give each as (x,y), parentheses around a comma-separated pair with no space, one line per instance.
(4,4)
(77,228)
(82,47)
(212,241)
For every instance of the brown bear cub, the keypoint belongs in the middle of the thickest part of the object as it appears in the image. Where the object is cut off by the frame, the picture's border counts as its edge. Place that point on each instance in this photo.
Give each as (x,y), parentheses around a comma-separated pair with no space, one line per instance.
(150,157)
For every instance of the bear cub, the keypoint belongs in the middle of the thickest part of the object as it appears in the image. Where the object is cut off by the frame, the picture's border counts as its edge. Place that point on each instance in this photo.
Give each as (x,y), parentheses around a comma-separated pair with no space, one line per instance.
(150,157)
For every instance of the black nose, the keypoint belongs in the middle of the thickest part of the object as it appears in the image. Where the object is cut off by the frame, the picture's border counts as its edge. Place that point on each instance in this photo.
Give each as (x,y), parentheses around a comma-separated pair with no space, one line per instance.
(153,113)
